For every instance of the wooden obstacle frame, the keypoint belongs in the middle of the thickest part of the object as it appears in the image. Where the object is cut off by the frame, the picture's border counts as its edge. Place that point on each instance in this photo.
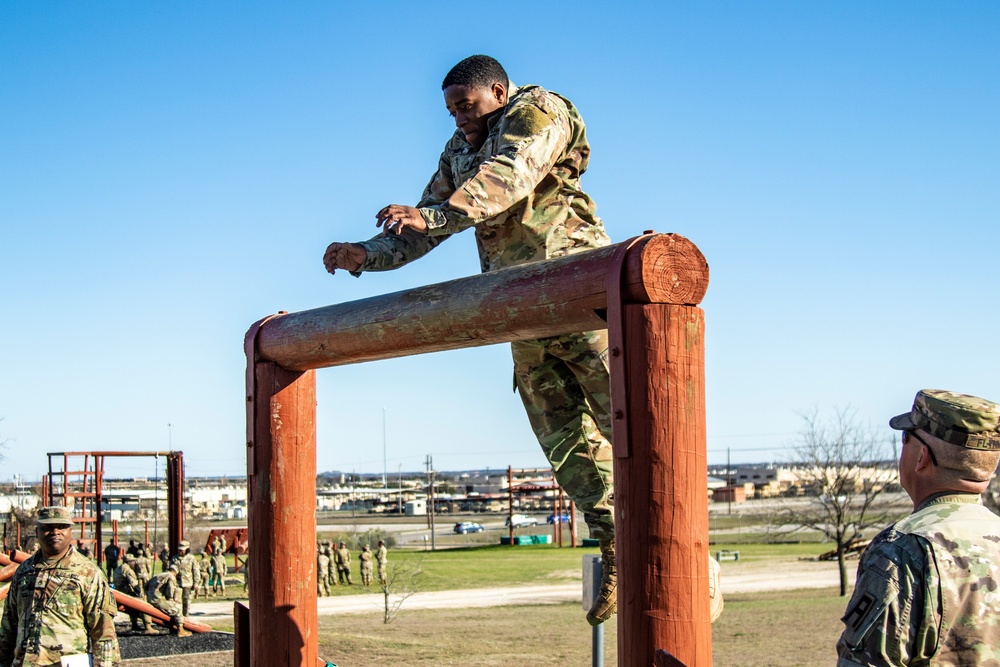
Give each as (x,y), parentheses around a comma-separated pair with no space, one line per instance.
(645,291)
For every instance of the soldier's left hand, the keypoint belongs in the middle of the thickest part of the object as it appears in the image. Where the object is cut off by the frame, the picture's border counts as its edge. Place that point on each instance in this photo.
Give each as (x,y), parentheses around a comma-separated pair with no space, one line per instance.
(395,218)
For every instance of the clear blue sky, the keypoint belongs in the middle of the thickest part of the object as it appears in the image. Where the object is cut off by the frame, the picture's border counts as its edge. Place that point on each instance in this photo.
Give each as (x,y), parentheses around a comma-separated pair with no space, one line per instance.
(172,172)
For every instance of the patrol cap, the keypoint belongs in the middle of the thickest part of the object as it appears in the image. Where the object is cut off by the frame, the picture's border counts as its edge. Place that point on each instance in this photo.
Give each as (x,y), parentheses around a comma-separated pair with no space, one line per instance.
(129,557)
(960,419)
(173,567)
(55,516)
(184,544)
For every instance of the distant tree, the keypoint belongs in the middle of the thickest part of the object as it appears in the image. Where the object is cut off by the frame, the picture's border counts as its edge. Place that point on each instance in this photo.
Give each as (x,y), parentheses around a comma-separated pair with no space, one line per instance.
(844,472)
(401,582)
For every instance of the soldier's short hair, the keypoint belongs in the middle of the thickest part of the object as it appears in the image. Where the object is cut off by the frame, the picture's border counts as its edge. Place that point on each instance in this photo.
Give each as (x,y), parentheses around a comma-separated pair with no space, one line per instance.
(476,72)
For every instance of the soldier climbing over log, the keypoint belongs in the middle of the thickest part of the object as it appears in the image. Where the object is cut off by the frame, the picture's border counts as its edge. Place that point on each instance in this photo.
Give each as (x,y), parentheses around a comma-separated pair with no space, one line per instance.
(511,171)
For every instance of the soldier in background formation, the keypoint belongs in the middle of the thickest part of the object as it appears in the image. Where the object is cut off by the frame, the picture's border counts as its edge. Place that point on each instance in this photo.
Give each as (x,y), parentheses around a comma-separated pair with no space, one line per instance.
(164,557)
(220,568)
(127,581)
(164,594)
(204,573)
(926,592)
(322,571)
(382,558)
(112,554)
(82,549)
(246,569)
(185,575)
(343,559)
(44,618)
(144,570)
(331,580)
(366,565)
(132,550)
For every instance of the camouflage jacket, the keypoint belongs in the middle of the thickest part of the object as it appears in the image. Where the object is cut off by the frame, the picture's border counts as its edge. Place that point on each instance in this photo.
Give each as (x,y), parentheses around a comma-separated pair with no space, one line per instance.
(323,564)
(381,556)
(220,564)
(144,568)
(927,590)
(521,191)
(342,557)
(163,588)
(365,558)
(185,571)
(58,608)
(126,580)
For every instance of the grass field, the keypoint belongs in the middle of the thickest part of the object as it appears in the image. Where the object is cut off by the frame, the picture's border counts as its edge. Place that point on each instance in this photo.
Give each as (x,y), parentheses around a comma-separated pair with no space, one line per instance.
(766,630)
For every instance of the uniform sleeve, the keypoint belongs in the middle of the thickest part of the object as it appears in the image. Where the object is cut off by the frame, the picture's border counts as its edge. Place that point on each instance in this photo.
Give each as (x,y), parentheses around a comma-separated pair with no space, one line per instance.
(8,627)
(531,140)
(892,619)
(99,609)
(393,251)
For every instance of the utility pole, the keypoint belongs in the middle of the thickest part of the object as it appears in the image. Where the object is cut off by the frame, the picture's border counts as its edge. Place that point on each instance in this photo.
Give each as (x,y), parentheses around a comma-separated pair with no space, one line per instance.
(430,494)
(399,496)
(729,481)
(385,464)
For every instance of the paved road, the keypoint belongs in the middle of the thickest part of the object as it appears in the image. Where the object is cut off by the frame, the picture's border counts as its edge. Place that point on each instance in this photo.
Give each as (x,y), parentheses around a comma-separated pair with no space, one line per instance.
(736,579)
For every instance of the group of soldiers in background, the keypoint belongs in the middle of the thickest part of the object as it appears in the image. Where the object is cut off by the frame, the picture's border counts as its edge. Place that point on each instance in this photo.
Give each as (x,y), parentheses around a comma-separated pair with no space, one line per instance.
(333,566)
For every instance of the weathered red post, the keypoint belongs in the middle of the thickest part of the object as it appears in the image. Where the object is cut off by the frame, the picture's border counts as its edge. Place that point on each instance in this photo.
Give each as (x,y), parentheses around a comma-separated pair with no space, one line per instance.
(281,474)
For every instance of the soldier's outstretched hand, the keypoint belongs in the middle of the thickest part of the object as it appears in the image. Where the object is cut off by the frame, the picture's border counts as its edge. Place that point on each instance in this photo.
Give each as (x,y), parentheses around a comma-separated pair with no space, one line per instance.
(347,256)
(396,219)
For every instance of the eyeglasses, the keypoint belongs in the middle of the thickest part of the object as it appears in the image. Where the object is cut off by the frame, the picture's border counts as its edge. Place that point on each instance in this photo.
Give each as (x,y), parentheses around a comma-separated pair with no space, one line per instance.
(922,442)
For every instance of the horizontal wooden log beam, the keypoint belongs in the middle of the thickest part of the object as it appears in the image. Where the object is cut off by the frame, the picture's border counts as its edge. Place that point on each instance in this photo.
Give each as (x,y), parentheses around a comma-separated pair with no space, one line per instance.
(536,300)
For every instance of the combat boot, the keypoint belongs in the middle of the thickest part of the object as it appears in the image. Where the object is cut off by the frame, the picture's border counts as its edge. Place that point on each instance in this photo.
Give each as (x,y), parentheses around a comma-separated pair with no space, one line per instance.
(607,599)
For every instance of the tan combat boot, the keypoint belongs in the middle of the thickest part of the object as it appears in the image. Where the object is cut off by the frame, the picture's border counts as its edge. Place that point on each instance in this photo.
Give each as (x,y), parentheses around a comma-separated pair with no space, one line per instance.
(607,600)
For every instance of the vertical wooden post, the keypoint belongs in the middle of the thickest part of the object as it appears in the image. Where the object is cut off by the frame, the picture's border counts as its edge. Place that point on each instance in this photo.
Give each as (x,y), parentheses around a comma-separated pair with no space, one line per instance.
(175,500)
(281,459)
(661,497)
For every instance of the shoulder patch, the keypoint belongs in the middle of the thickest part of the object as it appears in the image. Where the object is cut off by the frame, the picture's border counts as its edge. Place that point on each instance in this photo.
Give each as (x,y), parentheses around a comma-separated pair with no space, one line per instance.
(526,122)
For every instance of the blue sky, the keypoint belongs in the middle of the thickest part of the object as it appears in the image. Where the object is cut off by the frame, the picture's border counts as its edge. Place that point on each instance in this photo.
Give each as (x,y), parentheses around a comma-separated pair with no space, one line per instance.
(172,172)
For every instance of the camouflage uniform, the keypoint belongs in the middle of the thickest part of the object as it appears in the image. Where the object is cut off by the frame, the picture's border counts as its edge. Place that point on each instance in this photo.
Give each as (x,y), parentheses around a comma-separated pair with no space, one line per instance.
(343,560)
(58,608)
(204,572)
(366,566)
(928,589)
(221,568)
(331,579)
(144,571)
(164,560)
(127,582)
(164,594)
(382,558)
(322,572)
(186,567)
(521,193)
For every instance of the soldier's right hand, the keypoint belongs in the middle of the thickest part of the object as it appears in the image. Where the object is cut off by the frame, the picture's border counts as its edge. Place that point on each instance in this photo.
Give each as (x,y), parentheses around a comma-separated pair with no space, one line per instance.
(347,256)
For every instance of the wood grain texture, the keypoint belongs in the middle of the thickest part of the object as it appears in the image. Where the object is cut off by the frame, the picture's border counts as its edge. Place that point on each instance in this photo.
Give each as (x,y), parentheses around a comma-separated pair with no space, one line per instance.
(282,523)
(661,504)
(535,300)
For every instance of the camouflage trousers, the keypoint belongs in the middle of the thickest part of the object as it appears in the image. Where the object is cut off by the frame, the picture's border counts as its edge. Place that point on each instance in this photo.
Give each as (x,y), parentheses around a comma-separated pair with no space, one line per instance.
(565,387)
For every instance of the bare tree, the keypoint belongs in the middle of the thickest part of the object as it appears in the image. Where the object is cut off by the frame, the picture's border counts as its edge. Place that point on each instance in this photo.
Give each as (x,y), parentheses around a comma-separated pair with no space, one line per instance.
(844,473)
(401,581)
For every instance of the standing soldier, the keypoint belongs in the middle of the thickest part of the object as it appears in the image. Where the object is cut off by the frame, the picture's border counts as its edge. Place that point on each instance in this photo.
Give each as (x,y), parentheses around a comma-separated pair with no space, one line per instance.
(246,569)
(111,556)
(382,558)
(331,579)
(926,592)
(82,549)
(127,582)
(216,545)
(164,559)
(185,575)
(366,565)
(144,570)
(196,575)
(59,603)
(221,568)
(164,594)
(343,558)
(205,573)
(322,571)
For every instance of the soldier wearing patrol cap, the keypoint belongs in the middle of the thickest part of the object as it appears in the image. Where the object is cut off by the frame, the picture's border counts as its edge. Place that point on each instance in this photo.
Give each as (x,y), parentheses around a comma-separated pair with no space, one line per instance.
(927,588)
(59,603)
(186,566)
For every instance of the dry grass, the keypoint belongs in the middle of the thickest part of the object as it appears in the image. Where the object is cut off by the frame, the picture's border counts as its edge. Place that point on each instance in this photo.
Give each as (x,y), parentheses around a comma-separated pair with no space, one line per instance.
(761,630)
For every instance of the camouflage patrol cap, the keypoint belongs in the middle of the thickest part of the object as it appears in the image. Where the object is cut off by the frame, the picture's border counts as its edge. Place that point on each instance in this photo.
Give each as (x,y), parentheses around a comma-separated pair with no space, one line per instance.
(960,419)
(129,558)
(184,545)
(55,516)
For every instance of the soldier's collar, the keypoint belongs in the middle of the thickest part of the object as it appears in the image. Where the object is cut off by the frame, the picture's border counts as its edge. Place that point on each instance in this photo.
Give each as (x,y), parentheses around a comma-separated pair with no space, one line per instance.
(949,497)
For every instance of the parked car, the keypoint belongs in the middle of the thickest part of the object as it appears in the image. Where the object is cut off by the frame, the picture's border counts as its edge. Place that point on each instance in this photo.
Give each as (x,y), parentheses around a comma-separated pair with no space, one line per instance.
(521,521)
(468,527)
(558,518)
